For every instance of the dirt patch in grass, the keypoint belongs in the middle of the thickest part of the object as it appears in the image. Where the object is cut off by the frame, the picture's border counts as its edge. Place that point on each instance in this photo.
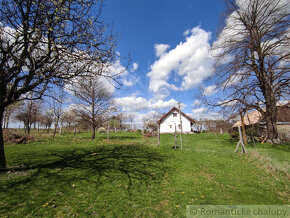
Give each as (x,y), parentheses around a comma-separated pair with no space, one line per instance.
(207,175)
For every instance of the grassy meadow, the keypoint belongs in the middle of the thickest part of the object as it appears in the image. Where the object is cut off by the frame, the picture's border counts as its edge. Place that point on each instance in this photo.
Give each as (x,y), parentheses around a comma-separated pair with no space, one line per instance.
(130,176)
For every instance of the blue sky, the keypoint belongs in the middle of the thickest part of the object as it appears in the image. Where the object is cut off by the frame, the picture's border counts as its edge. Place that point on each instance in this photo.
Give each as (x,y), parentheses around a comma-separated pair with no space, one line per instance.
(168,42)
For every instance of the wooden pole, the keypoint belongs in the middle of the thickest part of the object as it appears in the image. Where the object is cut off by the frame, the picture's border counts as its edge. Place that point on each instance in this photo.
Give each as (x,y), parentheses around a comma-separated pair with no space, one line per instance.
(244,150)
(175,142)
(180,126)
(108,131)
(158,134)
(243,128)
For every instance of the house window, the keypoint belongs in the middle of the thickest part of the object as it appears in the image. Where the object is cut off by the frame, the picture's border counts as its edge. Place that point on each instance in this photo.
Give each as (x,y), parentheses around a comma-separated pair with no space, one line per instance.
(170,126)
(179,126)
(174,114)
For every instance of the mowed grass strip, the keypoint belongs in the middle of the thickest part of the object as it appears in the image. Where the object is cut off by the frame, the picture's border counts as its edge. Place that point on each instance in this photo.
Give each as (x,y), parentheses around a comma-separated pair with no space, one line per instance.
(129,176)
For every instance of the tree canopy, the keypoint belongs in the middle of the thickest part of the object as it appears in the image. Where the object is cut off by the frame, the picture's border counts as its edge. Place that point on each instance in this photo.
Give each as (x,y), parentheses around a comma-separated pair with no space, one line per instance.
(45,42)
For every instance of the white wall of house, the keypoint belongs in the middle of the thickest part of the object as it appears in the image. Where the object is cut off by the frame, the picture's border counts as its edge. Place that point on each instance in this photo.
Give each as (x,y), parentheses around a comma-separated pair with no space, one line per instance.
(168,123)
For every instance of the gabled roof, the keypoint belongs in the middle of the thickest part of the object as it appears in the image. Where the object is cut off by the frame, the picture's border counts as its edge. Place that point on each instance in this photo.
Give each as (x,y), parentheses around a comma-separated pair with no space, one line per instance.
(255,116)
(175,109)
(251,118)
(283,114)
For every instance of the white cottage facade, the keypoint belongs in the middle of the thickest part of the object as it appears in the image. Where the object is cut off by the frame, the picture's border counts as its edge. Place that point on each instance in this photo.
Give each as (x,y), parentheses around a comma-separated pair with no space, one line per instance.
(171,120)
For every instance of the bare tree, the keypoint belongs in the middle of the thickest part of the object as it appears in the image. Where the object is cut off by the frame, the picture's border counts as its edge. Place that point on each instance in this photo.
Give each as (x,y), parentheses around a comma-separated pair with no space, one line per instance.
(115,123)
(130,119)
(68,118)
(71,119)
(47,119)
(121,117)
(93,100)
(8,113)
(59,97)
(46,41)
(28,113)
(199,125)
(252,54)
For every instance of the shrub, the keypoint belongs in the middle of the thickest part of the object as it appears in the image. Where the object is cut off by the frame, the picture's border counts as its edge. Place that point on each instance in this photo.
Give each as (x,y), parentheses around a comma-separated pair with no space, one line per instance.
(252,132)
(234,134)
(16,137)
(101,130)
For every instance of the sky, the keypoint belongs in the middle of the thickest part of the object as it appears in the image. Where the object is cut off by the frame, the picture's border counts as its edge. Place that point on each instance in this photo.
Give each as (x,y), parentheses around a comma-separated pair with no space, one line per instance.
(168,42)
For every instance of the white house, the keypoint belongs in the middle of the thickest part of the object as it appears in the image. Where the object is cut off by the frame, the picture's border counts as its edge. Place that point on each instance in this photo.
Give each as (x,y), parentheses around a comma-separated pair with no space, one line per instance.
(171,120)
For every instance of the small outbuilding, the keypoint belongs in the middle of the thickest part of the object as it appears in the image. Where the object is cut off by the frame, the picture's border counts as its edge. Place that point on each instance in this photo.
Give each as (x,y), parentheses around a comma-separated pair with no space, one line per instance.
(170,122)
(257,121)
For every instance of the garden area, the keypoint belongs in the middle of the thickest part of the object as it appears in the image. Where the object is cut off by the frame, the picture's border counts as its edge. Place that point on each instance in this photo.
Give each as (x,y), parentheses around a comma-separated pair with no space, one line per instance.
(130,176)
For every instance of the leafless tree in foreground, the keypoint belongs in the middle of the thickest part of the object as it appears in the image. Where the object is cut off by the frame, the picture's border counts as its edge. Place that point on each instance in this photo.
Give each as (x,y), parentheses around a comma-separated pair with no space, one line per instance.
(93,100)
(252,54)
(47,41)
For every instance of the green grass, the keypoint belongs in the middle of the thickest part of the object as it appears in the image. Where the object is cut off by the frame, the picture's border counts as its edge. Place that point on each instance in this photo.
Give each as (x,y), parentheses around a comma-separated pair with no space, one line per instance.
(129,176)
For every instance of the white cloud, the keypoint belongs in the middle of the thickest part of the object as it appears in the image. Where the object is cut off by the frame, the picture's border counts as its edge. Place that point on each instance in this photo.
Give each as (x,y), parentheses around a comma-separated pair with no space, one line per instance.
(210,90)
(133,103)
(127,83)
(228,103)
(134,67)
(107,84)
(201,110)
(186,32)
(160,104)
(203,113)
(235,31)
(130,80)
(190,60)
(139,118)
(118,69)
(160,49)
(196,102)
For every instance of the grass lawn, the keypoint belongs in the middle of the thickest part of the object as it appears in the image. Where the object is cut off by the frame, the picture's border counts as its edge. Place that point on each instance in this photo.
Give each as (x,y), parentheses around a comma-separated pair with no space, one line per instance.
(129,176)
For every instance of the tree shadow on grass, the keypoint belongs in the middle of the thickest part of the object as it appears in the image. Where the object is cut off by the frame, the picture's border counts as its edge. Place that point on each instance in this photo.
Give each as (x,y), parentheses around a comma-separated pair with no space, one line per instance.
(139,164)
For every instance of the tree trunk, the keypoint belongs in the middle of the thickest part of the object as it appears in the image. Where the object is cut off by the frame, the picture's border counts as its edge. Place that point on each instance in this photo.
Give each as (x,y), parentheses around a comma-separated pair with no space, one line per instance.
(25,127)
(4,126)
(243,128)
(271,122)
(180,126)
(108,132)
(94,132)
(54,131)
(28,128)
(175,142)
(7,122)
(55,127)
(2,153)
(158,134)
